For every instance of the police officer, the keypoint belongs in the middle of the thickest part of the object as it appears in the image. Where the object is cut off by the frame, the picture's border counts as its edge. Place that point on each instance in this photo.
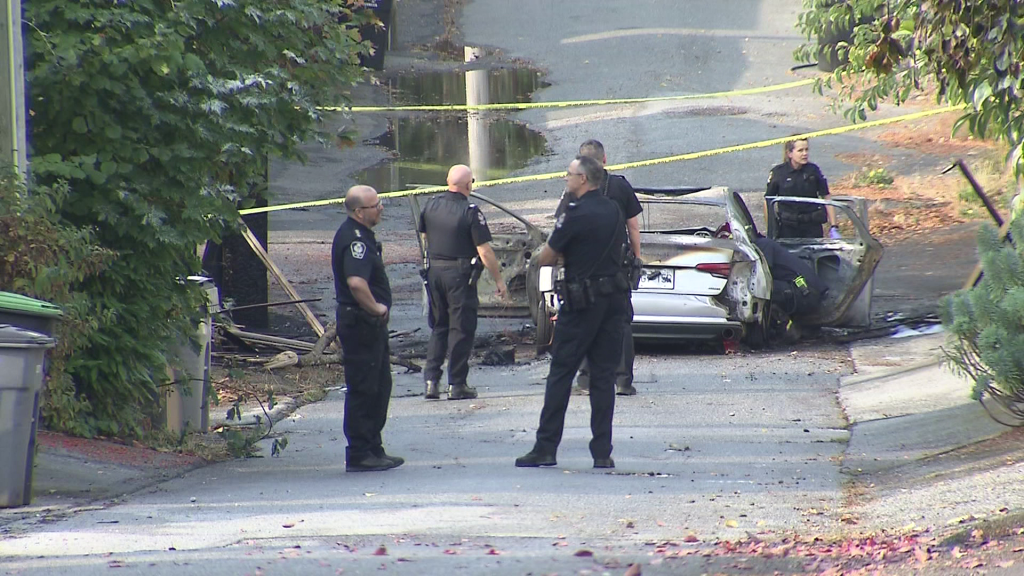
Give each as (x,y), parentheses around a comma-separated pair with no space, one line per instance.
(458,240)
(797,290)
(594,297)
(364,303)
(798,177)
(619,190)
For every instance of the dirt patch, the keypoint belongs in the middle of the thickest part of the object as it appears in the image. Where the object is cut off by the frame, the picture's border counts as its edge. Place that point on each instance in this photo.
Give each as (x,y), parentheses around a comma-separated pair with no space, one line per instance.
(934,136)
(112,452)
(904,205)
(294,382)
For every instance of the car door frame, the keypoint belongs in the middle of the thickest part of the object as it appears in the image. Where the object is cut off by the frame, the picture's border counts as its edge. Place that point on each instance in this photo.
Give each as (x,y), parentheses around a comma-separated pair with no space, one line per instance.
(490,306)
(855,260)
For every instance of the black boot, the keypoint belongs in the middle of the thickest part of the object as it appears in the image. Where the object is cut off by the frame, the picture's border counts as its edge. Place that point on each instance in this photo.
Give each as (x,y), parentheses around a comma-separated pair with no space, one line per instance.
(533,459)
(461,392)
(432,391)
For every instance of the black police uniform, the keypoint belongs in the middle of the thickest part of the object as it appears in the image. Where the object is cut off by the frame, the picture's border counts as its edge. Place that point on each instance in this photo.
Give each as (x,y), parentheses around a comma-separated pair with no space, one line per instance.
(589,236)
(620,191)
(364,339)
(454,229)
(796,287)
(795,220)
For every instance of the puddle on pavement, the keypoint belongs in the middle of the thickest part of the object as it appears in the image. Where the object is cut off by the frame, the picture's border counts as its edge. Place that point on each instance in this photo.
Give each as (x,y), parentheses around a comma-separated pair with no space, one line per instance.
(449,86)
(425,145)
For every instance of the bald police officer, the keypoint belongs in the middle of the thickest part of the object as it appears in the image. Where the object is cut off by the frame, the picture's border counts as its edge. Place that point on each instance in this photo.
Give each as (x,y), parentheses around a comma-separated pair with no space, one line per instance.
(594,302)
(458,240)
(364,303)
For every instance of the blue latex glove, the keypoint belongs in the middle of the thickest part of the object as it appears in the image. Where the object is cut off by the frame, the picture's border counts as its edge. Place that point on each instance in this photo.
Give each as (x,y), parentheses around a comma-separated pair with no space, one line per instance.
(834,234)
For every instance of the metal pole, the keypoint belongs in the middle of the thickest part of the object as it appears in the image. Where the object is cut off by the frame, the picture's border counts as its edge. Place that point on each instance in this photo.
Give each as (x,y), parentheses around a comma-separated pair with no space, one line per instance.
(992,210)
(13,147)
(477,92)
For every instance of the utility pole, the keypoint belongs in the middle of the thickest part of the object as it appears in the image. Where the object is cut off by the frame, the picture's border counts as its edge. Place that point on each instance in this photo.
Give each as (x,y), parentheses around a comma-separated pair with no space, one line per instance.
(13,147)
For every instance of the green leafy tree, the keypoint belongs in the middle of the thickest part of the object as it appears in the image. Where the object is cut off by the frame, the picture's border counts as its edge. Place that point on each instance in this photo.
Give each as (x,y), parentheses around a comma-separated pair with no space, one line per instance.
(160,116)
(971,51)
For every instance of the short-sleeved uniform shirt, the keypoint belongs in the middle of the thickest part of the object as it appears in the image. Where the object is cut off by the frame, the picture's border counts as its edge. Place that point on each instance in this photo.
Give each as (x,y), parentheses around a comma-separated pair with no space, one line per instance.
(355,252)
(804,182)
(454,227)
(589,236)
(618,190)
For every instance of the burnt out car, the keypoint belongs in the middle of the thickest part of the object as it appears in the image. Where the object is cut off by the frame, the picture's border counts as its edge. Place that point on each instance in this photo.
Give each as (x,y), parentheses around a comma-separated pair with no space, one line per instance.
(703,277)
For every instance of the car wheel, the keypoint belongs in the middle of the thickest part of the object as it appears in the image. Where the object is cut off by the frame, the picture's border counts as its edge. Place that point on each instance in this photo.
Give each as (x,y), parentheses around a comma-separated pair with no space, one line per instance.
(538,309)
(545,327)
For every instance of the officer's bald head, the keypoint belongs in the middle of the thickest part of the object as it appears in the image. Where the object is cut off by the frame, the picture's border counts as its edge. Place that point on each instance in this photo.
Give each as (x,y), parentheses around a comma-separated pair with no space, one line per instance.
(358,197)
(363,206)
(460,179)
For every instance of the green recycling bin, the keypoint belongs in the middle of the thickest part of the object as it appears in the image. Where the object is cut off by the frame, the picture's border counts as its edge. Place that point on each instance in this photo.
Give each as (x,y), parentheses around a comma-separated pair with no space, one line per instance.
(29,313)
(21,380)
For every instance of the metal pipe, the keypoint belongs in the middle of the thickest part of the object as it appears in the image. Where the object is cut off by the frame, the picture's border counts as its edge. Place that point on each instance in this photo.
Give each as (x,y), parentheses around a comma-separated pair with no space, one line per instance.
(977,190)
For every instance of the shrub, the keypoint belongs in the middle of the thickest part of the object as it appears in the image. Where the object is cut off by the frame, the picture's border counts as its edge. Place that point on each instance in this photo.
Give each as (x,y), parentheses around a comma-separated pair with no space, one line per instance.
(48,259)
(986,324)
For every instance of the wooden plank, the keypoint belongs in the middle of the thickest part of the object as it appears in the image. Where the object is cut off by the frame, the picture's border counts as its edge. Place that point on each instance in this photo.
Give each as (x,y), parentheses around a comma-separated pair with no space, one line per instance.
(256,338)
(975,276)
(254,243)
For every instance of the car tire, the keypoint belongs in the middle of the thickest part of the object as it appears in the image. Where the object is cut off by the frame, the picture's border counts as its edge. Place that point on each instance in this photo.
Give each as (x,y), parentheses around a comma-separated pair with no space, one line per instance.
(538,309)
(545,328)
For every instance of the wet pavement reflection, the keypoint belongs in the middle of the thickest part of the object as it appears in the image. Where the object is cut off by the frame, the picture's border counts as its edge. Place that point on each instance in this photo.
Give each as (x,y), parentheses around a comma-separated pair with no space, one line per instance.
(425,145)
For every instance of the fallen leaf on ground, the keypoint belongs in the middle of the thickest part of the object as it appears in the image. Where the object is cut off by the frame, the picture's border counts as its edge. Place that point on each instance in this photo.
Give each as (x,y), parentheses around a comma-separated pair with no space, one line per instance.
(583,553)
(451,552)
(288,525)
(493,552)
(690,538)
(633,570)
(1006,564)
(732,524)
(382,551)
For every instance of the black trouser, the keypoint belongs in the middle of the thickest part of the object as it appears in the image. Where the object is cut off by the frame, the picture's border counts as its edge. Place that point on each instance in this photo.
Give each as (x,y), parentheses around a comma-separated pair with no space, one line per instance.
(367,362)
(624,371)
(794,301)
(453,308)
(595,334)
(802,230)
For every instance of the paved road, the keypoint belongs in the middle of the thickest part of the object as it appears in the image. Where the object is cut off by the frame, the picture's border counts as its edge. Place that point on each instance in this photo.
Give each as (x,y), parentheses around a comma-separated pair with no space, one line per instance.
(714,446)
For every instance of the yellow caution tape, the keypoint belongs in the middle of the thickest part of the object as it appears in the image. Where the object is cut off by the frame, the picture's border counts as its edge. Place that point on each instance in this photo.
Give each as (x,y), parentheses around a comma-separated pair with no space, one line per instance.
(567,103)
(639,164)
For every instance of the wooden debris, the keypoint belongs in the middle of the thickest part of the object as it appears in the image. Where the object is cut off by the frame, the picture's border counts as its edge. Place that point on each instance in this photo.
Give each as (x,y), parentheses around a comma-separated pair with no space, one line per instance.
(317,357)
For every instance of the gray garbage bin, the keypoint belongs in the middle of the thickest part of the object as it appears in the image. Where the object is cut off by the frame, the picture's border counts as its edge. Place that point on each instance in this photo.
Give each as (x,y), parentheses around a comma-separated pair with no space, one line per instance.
(29,313)
(21,379)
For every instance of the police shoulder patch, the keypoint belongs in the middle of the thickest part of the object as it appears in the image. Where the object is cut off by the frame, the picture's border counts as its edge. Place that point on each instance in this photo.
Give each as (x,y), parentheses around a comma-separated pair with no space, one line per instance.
(358,250)
(480,217)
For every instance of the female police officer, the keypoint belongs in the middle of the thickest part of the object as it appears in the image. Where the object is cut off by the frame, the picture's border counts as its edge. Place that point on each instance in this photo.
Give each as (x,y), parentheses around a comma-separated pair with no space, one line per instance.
(798,177)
